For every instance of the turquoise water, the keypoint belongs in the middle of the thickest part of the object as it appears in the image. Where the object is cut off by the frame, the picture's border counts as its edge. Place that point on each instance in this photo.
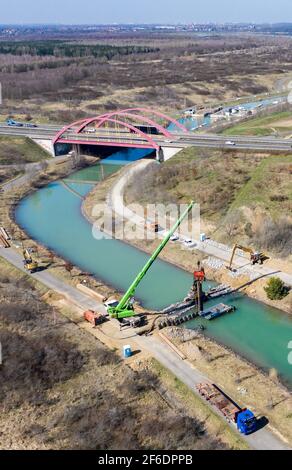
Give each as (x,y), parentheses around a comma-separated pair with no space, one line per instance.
(258,332)
(53,216)
(193,123)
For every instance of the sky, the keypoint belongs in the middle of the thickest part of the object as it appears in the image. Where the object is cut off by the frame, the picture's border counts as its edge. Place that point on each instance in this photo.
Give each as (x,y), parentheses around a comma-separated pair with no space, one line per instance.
(144,11)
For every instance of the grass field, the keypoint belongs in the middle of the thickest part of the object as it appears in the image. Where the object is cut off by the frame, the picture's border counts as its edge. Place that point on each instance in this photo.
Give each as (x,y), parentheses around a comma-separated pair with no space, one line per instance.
(212,178)
(269,187)
(242,195)
(19,150)
(277,124)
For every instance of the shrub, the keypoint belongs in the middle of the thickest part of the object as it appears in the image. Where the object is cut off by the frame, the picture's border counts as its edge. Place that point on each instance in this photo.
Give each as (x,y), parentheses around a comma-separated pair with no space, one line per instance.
(276,289)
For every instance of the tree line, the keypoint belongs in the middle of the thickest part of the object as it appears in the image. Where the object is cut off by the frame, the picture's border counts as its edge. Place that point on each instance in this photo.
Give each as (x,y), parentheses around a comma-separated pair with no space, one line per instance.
(64,49)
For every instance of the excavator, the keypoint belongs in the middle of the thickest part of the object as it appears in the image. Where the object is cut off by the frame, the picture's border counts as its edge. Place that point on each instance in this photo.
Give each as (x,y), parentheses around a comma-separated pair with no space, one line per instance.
(255,257)
(125,307)
(29,264)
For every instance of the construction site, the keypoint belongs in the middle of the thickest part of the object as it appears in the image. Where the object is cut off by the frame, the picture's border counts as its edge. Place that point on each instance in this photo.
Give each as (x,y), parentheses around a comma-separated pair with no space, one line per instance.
(120,322)
(145,240)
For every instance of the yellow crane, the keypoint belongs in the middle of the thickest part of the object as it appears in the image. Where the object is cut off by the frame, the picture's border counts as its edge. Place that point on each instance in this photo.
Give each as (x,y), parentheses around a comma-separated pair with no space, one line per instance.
(255,257)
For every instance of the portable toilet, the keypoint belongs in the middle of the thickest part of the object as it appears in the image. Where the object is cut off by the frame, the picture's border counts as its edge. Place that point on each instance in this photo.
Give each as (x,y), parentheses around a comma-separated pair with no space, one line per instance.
(127,350)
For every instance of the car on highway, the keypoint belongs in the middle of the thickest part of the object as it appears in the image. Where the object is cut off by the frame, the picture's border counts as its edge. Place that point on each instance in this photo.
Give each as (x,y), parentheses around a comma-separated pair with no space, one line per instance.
(189,243)
(12,123)
(30,125)
(229,142)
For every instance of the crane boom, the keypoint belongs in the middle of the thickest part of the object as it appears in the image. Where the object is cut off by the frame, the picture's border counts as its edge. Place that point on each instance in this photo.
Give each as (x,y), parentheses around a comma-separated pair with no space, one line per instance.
(125,308)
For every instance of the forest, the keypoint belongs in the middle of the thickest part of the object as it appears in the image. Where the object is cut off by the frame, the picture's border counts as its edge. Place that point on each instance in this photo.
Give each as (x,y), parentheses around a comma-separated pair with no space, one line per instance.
(65,49)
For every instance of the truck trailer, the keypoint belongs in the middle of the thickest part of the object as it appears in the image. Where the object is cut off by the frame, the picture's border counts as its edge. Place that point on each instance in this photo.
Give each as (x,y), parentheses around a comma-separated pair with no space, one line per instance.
(243,418)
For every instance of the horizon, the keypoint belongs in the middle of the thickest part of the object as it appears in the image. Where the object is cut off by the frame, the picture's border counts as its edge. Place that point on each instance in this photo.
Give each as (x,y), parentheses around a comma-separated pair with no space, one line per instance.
(71,12)
(180,23)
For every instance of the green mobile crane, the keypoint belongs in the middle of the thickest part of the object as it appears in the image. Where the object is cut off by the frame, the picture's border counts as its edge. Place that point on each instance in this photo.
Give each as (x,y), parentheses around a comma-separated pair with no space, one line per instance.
(125,307)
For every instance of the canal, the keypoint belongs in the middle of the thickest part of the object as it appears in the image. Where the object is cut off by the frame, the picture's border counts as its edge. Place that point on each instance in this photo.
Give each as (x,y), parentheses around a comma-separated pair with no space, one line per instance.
(53,216)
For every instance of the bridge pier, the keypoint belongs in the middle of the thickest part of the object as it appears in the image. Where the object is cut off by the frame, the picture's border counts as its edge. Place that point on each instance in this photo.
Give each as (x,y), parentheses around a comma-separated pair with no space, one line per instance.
(160,155)
(165,153)
(76,157)
(76,149)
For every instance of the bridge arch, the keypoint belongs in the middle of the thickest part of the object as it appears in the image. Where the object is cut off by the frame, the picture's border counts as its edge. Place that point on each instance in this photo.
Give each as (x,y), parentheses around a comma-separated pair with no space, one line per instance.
(116,117)
(158,114)
(65,129)
(144,135)
(137,117)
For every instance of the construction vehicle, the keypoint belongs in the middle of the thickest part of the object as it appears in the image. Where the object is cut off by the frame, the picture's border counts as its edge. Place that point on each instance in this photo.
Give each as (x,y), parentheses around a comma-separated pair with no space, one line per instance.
(199,278)
(125,307)
(29,264)
(133,322)
(243,418)
(149,224)
(255,257)
(93,317)
(152,227)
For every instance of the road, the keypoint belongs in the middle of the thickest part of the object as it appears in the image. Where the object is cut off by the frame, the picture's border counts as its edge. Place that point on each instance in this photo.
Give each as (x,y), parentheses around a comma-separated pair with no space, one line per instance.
(179,140)
(77,297)
(263,439)
(30,170)
(183,370)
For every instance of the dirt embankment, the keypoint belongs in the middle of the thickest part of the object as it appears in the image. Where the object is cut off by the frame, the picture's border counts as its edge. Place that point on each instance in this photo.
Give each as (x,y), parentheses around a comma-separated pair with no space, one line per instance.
(183,257)
(56,265)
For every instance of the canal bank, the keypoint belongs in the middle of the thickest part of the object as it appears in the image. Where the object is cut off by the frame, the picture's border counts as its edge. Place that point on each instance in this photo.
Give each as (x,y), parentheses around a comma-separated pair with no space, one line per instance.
(64,230)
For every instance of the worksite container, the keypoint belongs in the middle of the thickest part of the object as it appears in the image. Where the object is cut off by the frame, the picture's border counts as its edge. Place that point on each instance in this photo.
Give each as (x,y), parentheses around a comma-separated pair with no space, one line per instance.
(127,350)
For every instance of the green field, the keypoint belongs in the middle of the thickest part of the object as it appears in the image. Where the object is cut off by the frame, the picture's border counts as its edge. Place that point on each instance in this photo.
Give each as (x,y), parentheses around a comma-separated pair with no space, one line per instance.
(269,186)
(212,178)
(19,150)
(261,126)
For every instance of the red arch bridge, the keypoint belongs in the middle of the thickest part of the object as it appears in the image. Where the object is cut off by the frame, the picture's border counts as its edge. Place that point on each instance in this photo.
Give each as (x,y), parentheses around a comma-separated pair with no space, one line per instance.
(134,127)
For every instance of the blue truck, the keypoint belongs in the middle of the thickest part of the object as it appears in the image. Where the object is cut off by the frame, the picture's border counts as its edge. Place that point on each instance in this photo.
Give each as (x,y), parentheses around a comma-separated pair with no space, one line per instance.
(243,418)
(13,123)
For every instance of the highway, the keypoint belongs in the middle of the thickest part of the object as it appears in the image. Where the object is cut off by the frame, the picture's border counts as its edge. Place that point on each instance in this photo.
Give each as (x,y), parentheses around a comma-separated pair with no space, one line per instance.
(179,140)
